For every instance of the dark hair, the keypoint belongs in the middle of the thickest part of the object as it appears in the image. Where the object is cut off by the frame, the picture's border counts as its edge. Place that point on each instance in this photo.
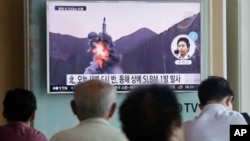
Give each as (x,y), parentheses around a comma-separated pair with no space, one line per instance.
(149,112)
(19,104)
(184,39)
(214,88)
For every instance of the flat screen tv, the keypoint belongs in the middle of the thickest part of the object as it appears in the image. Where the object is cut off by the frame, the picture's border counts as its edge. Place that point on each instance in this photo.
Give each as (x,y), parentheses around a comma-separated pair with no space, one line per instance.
(125,43)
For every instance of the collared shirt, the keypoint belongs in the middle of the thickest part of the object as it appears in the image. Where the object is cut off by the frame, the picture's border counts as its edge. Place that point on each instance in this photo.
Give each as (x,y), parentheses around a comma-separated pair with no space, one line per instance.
(183,57)
(93,129)
(213,124)
(19,131)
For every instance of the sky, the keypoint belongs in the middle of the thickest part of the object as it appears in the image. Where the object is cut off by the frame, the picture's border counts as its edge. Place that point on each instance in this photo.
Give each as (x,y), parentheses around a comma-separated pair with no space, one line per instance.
(122,18)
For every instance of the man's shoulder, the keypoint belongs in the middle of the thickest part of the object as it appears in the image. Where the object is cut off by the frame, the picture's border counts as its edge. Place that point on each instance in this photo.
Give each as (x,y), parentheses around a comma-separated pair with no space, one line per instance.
(38,136)
(89,132)
(2,127)
(60,135)
(194,119)
(34,134)
(238,117)
(229,117)
(189,123)
(20,131)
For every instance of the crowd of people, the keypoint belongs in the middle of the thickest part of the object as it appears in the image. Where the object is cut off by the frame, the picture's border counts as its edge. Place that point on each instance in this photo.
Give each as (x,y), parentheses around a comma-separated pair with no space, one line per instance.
(148,113)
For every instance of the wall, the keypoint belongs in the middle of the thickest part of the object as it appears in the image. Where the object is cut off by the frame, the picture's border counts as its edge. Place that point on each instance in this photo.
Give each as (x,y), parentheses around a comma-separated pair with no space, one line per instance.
(11,47)
(217,38)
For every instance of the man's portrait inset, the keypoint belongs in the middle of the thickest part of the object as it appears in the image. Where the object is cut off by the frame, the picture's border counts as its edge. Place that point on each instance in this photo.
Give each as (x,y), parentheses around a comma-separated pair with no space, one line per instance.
(182,47)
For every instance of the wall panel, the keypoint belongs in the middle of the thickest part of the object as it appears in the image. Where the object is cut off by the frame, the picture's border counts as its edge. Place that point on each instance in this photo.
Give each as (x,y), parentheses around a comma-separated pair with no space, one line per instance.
(11,47)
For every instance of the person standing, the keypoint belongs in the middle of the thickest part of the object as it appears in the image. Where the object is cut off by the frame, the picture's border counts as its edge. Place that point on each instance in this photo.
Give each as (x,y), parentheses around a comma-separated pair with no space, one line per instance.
(93,104)
(213,123)
(19,106)
(151,113)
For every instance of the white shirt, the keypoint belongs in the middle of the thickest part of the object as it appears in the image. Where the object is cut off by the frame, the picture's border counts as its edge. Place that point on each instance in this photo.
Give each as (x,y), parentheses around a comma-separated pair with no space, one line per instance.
(183,57)
(93,129)
(213,124)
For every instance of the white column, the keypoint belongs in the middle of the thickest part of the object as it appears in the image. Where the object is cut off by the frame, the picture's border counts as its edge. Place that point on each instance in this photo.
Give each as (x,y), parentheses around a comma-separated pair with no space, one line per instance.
(244,55)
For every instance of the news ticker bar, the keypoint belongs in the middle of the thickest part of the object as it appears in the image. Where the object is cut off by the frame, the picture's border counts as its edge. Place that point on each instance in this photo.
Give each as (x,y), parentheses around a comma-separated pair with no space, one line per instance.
(124,88)
(136,79)
(239,132)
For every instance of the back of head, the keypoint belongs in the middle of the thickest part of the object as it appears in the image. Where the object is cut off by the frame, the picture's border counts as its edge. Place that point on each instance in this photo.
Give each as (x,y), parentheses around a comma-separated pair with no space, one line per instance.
(214,88)
(150,113)
(94,98)
(19,104)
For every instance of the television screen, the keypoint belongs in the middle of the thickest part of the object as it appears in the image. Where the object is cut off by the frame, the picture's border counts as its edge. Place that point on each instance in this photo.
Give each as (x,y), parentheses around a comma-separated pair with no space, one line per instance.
(125,43)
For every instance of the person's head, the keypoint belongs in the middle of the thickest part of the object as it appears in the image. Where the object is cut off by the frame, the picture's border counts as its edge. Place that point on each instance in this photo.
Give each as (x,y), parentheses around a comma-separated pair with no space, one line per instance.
(151,113)
(183,46)
(19,105)
(215,89)
(94,98)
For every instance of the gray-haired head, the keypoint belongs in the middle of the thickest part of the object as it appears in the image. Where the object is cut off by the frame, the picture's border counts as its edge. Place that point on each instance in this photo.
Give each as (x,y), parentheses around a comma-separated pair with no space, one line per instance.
(94,98)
